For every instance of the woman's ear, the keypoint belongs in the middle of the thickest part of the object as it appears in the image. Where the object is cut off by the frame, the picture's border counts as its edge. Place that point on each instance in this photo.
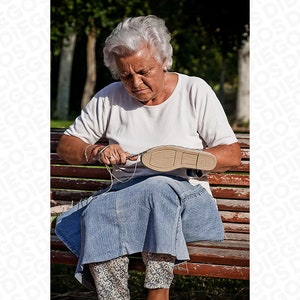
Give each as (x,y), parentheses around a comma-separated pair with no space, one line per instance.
(164,66)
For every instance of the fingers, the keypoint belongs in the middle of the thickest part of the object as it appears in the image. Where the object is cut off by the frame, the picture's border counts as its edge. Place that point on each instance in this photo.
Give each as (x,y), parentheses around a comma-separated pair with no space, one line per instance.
(132,157)
(110,159)
(113,155)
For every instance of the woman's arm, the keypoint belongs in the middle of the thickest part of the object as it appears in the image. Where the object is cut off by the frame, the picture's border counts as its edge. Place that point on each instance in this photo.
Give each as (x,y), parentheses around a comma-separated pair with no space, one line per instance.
(75,151)
(227,156)
(71,149)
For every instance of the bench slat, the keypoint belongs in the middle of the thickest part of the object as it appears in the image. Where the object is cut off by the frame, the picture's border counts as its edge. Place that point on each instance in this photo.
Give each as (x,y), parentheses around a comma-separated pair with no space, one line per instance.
(235,217)
(228,179)
(223,205)
(192,269)
(63,257)
(203,252)
(219,256)
(90,183)
(245,154)
(80,172)
(237,236)
(71,195)
(218,192)
(230,193)
(233,205)
(244,139)
(244,167)
(236,228)
(217,271)
(226,244)
(85,184)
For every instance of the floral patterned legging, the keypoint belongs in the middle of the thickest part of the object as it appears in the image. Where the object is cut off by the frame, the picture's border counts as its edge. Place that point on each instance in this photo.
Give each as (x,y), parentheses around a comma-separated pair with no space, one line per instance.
(111,277)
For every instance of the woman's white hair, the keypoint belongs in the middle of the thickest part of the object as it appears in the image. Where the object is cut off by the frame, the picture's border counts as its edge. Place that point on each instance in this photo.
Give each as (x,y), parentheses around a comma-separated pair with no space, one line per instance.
(129,36)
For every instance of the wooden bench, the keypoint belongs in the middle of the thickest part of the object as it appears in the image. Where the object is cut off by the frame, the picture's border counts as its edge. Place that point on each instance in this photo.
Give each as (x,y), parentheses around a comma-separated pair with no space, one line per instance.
(226,259)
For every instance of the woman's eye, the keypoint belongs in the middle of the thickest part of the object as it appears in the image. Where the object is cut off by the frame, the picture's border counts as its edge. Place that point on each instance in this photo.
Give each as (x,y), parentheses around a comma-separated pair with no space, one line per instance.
(124,77)
(144,72)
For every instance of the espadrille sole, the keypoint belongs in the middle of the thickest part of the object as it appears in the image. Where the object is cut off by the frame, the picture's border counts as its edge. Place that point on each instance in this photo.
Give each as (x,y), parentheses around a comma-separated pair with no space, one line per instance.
(168,158)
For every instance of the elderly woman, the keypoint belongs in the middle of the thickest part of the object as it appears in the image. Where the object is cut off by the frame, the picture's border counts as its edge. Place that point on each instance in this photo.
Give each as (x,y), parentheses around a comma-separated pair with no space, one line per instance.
(165,131)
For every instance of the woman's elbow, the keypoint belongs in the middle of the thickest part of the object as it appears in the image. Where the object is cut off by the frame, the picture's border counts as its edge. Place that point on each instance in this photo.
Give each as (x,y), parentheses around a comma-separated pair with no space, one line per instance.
(60,147)
(236,156)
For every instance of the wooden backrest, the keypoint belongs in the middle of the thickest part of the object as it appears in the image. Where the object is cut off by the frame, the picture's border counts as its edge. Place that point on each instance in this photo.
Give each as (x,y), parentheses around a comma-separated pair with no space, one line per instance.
(70,184)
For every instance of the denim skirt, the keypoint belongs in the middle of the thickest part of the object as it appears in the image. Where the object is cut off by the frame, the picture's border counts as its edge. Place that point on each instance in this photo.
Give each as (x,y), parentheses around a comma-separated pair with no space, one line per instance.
(158,214)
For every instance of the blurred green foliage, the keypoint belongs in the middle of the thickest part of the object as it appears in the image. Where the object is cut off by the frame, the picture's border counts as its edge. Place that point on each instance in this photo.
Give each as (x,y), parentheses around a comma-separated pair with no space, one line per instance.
(206,36)
(60,123)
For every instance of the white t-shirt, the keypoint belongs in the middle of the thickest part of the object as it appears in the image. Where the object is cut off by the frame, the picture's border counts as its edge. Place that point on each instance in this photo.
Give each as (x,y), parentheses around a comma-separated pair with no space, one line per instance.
(191,117)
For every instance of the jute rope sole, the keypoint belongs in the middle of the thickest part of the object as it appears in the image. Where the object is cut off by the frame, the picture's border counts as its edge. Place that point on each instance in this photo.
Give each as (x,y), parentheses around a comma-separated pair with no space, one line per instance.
(168,158)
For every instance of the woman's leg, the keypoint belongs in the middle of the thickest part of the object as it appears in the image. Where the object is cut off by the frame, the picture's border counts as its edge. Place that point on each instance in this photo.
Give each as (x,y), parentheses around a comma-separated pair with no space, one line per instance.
(158,294)
(158,275)
(111,279)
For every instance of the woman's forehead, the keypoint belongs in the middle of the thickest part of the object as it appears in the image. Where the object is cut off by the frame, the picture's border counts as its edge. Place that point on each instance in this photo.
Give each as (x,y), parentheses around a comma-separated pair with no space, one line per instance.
(143,58)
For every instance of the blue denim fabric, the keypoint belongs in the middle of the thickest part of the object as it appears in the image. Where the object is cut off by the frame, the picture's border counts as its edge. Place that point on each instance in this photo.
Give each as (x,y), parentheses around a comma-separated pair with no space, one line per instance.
(68,227)
(147,214)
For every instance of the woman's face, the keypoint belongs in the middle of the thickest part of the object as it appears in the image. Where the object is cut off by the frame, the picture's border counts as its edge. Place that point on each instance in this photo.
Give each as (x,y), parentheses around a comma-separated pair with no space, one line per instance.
(143,77)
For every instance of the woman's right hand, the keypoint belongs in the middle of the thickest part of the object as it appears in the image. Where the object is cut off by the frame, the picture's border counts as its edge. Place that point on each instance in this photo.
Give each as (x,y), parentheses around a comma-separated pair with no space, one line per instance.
(111,155)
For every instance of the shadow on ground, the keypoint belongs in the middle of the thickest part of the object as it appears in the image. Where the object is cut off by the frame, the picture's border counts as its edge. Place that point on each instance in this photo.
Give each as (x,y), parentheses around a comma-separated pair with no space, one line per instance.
(65,287)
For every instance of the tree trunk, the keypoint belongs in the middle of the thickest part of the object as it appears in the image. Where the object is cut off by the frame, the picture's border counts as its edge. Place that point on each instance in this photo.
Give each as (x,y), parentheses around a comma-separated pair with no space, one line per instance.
(90,82)
(243,102)
(222,81)
(64,77)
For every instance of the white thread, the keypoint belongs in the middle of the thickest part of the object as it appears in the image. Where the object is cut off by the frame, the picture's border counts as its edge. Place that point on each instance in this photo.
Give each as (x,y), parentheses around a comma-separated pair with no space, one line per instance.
(99,153)
(112,176)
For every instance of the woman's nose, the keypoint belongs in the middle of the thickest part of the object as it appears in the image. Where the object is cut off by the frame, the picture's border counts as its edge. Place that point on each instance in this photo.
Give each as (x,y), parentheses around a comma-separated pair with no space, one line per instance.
(136,81)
